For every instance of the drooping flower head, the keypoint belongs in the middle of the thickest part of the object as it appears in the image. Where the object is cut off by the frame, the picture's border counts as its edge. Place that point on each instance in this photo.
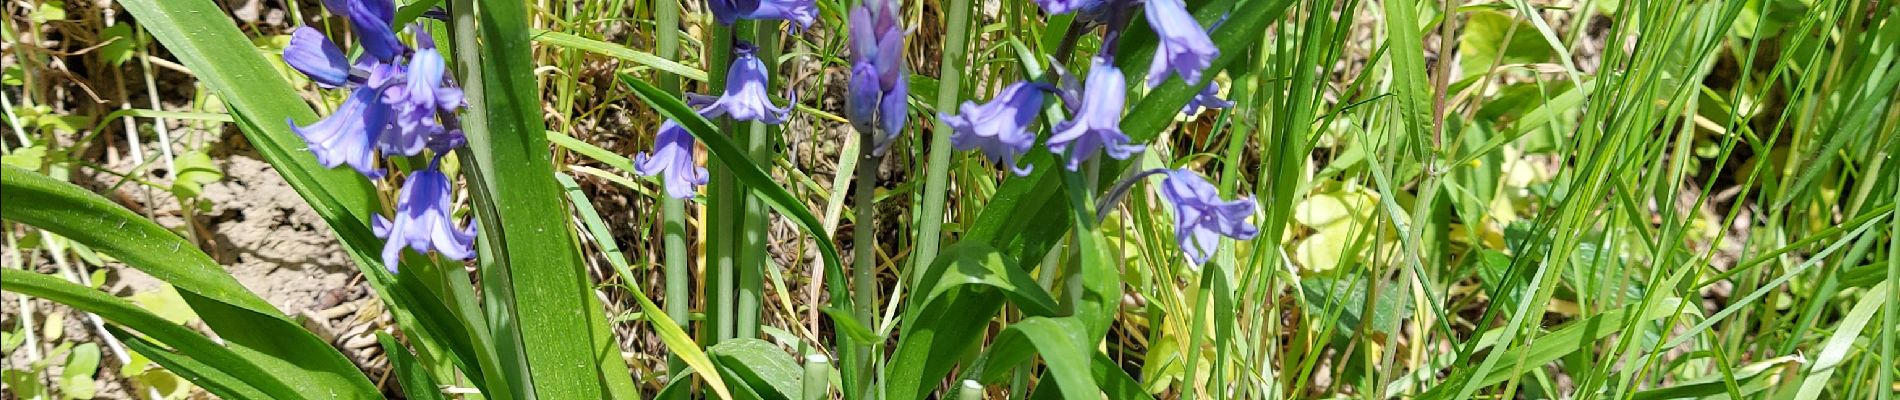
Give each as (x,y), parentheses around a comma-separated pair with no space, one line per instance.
(348,136)
(999,127)
(1184,49)
(419,100)
(879,88)
(1096,125)
(1201,217)
(745,98)
(800,12)
(424,221)
(672,159)
(1207,98)
(1054,7)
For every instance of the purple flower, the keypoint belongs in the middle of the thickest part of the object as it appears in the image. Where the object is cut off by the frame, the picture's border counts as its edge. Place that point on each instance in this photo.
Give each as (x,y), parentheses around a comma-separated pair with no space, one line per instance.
(1207,98)
(1096,125)
(745,98)
(1000,126)
(1185,48)
(417,102)
(672,159)
(423,220)
(348,136)
(313,55)
(877,96)
(1201,217)
(800,12)
(1054,7)
(371,20)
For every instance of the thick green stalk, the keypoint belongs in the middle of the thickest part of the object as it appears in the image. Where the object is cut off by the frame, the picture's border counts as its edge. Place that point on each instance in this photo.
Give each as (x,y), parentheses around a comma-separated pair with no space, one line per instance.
(497,295)
(752,240)
(672,210)
(723,202)
(863,266)
(937,178)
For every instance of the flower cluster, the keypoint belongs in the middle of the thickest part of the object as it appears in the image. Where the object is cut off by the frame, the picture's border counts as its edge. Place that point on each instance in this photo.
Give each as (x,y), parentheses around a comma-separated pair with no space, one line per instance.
(876,96)
(400,102)
(800,12)
(745,99)
(1001,127)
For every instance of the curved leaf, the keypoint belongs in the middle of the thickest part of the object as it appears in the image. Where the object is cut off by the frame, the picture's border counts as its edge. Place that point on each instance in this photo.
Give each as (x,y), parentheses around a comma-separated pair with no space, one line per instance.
(1064,346)
(764,368)
(246,376)
(240,317)
(966,286)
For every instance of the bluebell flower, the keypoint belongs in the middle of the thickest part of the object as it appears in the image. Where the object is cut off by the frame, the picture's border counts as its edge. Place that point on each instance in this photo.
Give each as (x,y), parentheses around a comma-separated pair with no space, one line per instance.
(672,159)
(373,20)
(878,94)
(799,12)
(1201,217)
(1054,7)
(1096,125)
(1185,48)
(745,98)
(424,220)
(313,55)
(423,95)
(348,136)
(999,127)
(1207,98)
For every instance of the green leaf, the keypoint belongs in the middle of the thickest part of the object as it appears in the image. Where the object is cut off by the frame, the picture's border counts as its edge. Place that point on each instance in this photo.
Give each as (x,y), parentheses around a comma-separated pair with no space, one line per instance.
(559,39)
(752,175)
(766,369)
(195,169)
(1483,39)
(526,244)
(29,158)
(120,45)
(242,368)
(416,382)
(239,316)
(207,375)
(1065,348)
(75,380)
(1834,351)
(965,287)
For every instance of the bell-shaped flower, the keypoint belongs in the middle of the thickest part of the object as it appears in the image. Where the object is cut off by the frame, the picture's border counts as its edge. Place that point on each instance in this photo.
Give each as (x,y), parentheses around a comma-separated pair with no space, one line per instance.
(372,20)
(999,127)
(877,99)
(745,98)
(1054,7)
(799,12)
(1201,217)
(1184,49)
(416,102)
(349,135)
(672,160)
(424,220)
(1096,125)
(313,55)
(1207,98)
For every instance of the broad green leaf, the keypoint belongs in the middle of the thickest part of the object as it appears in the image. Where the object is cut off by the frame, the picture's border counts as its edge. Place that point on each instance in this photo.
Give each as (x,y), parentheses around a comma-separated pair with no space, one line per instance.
(200,349)
(75,380)
(416,382)
(120,44)
(966,286)
(195,170)
(525,242)
(1065,348)
(212,377)
(1483,42)
(239,316)
(766,369)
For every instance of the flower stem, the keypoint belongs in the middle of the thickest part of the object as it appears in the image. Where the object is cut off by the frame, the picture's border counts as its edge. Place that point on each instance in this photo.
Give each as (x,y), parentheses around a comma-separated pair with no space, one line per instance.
(864,261)
(936,179)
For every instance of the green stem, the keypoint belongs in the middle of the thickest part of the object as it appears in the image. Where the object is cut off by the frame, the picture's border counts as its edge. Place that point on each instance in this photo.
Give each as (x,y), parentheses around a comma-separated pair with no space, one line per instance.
(724,202)
(937,178)
(864,264)
(752,253)
(672,210)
